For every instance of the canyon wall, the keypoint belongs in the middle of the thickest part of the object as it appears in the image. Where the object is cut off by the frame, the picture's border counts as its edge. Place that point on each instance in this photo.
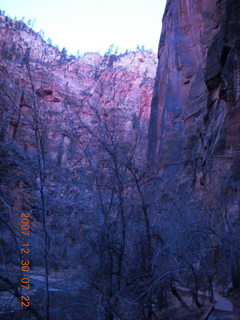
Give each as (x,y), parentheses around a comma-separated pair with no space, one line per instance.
(64,107)
(194,125)
(67,94)
(71,131)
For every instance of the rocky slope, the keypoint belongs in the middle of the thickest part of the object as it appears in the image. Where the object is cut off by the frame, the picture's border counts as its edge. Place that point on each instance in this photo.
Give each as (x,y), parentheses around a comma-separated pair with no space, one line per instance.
(67,94)
(122,83)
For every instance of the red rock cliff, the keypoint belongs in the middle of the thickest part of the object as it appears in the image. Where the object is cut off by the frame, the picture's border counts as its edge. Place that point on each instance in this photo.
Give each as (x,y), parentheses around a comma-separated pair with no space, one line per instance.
(67,92)
(194,126)
(67,101)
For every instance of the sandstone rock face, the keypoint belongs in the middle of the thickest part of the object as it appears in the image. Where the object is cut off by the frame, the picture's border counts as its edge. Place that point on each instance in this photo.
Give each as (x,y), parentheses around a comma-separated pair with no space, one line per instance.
(65,100)
(69,92)
(124,81)
(194,126)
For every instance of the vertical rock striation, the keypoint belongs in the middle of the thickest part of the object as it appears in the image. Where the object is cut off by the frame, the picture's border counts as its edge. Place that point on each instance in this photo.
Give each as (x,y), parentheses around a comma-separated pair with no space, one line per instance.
(194,131)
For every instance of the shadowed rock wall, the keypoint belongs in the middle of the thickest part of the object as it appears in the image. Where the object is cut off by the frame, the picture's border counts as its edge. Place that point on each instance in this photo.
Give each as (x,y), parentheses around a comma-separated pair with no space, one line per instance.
(194,131)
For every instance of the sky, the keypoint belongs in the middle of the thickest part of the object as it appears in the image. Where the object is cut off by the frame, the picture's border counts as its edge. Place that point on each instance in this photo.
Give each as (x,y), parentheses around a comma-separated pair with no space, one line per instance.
(93,25)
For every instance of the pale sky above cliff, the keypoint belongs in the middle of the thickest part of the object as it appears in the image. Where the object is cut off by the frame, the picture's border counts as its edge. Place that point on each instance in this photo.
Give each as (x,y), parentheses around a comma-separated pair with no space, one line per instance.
(91,25)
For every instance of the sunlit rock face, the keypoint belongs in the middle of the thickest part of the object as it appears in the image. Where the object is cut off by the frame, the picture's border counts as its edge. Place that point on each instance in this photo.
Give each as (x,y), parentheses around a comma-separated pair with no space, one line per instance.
(67,93)
(120,84)
(194,125)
